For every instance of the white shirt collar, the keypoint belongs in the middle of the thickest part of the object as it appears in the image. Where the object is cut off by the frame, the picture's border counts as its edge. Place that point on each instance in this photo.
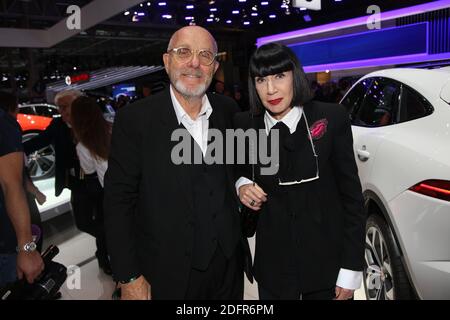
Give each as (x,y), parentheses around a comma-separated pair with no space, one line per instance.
(181,113)
(291,119)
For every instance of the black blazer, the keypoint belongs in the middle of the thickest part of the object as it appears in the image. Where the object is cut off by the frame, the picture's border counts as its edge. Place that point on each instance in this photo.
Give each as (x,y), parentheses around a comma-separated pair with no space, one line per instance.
(148,199)
(323,230)
(59,135)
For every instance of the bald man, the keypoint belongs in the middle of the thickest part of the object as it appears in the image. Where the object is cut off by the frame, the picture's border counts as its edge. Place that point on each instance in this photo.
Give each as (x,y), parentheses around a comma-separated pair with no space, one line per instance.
(173,231)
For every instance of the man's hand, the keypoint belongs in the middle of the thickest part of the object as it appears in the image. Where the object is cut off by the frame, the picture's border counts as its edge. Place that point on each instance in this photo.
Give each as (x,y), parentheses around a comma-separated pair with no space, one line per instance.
(138,289)
(252,196)
(344,294)
(29,264)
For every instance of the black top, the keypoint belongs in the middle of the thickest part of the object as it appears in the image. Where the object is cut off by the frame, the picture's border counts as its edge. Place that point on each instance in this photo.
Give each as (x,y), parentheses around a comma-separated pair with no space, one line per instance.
(150,203)
(59,135)
(307,232)
(10,141)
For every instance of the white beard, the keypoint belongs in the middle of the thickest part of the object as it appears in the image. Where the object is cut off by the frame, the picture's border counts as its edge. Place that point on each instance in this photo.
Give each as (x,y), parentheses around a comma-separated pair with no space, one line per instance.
(192,93)
(187,92)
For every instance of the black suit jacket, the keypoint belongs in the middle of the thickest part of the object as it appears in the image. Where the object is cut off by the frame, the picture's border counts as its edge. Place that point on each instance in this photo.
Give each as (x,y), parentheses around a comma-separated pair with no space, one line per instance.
(59,135)
(148,199)
(324,228)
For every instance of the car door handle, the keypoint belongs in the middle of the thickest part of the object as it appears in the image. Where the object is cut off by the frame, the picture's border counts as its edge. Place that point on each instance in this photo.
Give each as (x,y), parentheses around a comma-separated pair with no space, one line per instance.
(363,155)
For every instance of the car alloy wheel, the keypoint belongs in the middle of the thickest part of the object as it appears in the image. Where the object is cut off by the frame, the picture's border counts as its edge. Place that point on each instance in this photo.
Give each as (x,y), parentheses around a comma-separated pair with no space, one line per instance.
(41,163)
(379,282)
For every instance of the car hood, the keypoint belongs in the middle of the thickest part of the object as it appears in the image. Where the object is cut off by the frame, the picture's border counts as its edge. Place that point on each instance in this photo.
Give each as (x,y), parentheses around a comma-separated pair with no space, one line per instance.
(445,92)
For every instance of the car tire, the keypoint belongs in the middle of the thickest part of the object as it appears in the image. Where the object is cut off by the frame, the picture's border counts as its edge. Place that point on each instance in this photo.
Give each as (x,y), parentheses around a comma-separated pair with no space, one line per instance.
(385,277)
(41,163)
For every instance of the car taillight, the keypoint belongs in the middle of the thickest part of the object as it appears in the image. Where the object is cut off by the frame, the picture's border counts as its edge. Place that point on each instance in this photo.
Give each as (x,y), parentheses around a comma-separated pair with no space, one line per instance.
(434,188)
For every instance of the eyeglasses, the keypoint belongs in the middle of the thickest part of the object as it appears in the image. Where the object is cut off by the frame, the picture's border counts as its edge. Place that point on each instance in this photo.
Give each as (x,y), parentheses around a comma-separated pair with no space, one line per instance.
(291,183)
(183,54)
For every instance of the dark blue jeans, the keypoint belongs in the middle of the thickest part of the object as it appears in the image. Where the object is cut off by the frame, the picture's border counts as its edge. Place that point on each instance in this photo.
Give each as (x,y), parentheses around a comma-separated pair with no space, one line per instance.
(8,271)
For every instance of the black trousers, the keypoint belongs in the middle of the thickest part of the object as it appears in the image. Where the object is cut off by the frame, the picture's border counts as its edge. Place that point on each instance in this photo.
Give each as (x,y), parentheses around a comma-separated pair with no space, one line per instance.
(222,280)
(328,294)
(87,208)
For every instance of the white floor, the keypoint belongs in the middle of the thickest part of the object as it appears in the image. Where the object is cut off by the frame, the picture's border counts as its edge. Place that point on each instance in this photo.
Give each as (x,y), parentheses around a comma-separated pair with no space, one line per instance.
(89,282)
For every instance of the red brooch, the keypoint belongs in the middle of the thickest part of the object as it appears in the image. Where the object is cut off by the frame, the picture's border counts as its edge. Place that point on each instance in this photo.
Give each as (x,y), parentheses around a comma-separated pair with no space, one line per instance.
(318,129)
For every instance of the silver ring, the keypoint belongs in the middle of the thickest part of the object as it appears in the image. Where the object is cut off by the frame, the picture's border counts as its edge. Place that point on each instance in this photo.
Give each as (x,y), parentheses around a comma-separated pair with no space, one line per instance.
(252,203)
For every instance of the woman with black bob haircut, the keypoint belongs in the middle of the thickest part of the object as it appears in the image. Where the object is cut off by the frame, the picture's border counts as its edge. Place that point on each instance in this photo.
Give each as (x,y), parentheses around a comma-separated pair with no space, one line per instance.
(274,59)
(311,222)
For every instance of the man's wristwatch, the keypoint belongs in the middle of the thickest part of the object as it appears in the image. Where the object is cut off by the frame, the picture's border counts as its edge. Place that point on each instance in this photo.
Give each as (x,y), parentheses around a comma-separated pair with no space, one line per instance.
(27,247)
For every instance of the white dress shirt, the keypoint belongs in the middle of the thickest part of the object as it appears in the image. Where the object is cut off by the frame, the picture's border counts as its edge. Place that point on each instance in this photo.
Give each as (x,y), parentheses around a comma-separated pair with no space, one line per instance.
(347,279)
(197,128)
(90,164)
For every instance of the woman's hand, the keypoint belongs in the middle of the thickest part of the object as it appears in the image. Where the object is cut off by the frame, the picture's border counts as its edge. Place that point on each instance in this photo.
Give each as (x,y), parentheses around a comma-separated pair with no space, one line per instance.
(344,294)
(252,196)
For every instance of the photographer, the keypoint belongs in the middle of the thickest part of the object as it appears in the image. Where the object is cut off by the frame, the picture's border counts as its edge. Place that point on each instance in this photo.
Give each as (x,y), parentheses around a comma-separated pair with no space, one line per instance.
(15,225)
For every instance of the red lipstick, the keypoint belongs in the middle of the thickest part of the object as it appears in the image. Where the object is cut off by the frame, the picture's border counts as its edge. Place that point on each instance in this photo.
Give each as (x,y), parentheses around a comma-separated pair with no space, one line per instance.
(275,101)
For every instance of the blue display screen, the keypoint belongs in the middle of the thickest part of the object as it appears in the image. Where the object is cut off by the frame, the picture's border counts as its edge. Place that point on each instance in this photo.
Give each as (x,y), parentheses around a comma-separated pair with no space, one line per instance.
(124,89)
(392,42)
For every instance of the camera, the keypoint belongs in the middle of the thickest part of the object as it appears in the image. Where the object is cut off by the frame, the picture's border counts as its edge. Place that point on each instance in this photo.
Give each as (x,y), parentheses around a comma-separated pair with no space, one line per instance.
(45,287)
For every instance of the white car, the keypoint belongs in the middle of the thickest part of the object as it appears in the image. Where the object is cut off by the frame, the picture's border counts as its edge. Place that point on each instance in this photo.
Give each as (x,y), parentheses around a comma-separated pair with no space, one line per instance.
(401,130)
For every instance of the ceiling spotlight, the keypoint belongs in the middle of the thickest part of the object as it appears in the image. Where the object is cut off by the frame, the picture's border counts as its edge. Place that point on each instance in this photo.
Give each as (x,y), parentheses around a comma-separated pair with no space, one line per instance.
(162,4)
(235,12)
(254,14)
(148,4)
(265,3)
(190,6)
(246,23)
(213,9)
(228,21)
(209,20)
(261,21)
(255,8)
(126,13)
(167,16)
(272,16)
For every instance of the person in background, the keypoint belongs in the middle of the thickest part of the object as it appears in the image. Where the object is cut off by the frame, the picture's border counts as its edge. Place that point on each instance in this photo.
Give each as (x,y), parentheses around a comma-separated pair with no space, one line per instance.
(33,194)
(122,101)
(219,87)
(93,133)
(68,173)
(18,255)
(146,90)
(311,224)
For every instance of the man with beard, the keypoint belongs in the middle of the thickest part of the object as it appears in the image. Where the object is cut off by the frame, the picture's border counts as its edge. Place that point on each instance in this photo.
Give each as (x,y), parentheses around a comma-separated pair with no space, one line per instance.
(172,230)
